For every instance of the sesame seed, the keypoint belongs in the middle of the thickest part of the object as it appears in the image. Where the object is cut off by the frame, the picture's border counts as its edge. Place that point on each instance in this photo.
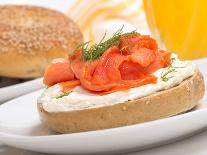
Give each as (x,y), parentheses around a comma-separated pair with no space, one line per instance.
(147,102)
(124,108)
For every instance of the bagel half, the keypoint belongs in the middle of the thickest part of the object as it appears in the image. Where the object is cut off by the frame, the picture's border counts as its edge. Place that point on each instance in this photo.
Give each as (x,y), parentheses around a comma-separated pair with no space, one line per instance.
(162,104)
(31,37)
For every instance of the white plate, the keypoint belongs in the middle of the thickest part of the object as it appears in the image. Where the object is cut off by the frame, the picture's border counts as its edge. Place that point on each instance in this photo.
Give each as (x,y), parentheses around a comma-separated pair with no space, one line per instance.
(20,127)
(12,91)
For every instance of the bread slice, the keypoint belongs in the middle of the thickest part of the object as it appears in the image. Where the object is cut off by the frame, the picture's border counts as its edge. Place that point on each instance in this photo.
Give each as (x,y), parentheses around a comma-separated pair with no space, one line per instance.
(162,104)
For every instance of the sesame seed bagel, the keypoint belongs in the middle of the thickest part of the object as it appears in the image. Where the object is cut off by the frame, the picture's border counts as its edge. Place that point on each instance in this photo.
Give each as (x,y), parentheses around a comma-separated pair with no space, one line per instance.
(166,103)
(30,37)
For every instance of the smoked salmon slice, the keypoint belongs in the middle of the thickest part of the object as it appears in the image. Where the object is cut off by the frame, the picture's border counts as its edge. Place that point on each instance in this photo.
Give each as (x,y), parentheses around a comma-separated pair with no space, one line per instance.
(68,85)
(58,71)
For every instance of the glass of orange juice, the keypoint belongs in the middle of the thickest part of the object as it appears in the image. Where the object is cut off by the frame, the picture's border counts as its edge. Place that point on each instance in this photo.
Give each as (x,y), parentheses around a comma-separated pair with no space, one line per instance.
(179,25)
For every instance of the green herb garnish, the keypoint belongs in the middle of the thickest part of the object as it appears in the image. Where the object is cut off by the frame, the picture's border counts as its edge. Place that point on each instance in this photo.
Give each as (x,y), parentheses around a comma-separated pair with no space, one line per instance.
(63,94)
(170,69)
(130,33)
(123,48)
(77,48)
(96,50)
(164,74)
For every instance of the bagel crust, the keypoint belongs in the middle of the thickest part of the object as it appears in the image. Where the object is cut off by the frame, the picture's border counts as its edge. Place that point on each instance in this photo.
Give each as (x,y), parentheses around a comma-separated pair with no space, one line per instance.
(31,37)
(162,104)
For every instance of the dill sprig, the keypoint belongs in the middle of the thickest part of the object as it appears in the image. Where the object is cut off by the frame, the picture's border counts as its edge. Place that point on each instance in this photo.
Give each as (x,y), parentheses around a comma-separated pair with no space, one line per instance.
(164,74)
(63,94)
(96,50)
(77,48)
(130,33)
(124,47)
(170,69)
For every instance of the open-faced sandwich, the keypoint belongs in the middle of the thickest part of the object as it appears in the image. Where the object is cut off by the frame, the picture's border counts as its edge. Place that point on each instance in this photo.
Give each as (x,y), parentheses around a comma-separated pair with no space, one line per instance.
(124,80)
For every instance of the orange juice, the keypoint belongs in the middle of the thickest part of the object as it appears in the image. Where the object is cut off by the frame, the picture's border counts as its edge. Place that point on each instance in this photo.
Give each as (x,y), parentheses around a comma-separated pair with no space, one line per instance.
(180,25)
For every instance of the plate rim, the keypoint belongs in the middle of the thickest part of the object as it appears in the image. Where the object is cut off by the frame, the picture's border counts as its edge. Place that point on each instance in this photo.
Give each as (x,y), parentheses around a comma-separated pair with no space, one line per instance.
(21,84)
(105,131)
